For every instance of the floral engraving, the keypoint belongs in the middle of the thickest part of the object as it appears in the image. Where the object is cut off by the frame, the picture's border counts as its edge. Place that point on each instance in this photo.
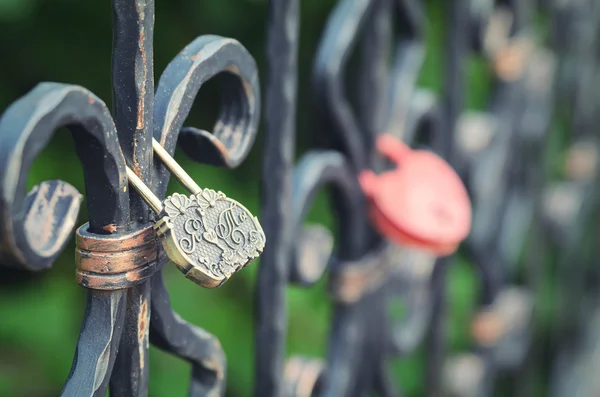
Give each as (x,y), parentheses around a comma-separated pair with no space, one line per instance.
(216,270)
(176,205)
(208,198)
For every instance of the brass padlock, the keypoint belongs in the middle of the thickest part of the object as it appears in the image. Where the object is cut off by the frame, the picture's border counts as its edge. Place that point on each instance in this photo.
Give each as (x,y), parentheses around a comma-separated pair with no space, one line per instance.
(208,236)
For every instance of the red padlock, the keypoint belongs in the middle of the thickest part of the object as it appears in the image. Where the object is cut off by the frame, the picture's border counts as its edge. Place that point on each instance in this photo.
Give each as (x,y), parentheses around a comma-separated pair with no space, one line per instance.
(422,203)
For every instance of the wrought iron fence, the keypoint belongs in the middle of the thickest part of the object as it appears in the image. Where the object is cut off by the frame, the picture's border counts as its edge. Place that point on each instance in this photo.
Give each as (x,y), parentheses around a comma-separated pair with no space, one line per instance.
(364,83)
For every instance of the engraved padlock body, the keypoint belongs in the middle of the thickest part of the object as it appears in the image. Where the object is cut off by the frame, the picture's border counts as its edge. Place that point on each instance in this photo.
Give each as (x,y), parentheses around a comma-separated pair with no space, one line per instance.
(208,236)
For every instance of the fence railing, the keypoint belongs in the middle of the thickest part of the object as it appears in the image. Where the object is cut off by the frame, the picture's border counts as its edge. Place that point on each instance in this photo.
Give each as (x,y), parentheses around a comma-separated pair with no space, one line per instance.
(530,224)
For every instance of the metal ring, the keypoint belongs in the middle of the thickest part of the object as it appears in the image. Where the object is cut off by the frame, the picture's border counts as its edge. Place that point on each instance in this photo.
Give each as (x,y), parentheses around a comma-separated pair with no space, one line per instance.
(352,280)
(109,262)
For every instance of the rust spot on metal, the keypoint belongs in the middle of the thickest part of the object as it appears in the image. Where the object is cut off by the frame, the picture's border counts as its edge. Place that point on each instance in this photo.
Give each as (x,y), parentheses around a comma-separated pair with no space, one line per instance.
(42,212)
(581,161)
(136,167)
(140,116)
(143,326)
(302,374)
(355,279)
(52,216)
(110,228)
(142,320)
(214,365)
(487,328)
(133,276)
(197,56)
(510,62)
(221,147)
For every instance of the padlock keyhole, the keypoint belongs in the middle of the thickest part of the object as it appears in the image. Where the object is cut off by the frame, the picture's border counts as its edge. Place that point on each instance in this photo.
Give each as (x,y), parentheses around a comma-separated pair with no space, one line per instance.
(441,213)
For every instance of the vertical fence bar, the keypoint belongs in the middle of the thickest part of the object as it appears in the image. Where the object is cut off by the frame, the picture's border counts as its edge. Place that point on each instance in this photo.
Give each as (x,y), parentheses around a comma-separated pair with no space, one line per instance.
(280,120)
(97,346)
(133,93)
(345,134)
(452,106)
(373,98)
(133,90)
(373,76)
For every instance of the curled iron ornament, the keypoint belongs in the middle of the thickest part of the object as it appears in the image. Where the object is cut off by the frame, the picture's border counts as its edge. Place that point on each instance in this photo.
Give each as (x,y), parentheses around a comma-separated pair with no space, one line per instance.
(237,125)
(37,225)
(118,325)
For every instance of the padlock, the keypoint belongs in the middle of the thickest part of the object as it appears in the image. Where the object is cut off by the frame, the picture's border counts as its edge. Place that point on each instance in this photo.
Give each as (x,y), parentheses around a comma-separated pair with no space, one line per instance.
(208,236)
(422,203)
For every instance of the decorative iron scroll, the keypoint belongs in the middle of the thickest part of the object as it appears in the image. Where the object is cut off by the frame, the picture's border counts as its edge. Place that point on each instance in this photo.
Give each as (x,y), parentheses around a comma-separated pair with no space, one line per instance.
(127,312)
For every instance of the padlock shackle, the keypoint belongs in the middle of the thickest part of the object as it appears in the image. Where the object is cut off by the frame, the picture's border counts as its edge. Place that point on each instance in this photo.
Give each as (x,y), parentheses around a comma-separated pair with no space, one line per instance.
(183,177)
(144,191)
(392,148)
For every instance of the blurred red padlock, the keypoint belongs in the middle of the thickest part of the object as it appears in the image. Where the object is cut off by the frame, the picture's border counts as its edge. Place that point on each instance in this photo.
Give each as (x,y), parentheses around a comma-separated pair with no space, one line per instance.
(422,203)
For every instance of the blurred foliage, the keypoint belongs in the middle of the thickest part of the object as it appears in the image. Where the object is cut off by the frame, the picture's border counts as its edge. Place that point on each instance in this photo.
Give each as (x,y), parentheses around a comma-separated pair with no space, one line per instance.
(70,41)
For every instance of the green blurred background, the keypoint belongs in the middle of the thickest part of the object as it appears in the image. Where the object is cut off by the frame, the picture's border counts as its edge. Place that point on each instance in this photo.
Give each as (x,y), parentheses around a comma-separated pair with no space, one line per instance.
(70,41)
